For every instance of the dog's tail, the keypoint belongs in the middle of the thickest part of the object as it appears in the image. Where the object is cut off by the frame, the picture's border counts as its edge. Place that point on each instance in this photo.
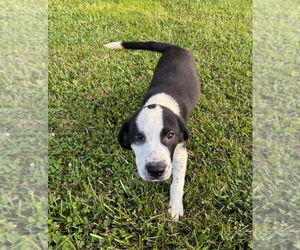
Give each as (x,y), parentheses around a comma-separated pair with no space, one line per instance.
(153,46)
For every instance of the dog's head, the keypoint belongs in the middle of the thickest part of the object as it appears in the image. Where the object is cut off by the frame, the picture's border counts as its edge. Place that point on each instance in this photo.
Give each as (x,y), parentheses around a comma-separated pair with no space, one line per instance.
(153,133)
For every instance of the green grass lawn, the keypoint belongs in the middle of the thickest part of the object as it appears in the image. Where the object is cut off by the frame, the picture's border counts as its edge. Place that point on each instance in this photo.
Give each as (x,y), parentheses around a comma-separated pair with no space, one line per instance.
(95,196)
(23,125)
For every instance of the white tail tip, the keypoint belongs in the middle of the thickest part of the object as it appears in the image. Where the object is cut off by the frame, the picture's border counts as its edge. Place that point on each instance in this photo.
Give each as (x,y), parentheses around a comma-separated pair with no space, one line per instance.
(114,45)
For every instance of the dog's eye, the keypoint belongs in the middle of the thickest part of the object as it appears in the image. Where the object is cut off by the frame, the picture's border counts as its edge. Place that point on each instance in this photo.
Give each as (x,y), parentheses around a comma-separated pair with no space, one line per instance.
(139,137)
(170,135)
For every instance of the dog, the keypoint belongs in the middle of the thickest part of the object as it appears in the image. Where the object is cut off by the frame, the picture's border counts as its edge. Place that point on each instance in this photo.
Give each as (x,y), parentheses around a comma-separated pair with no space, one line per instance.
(157,131)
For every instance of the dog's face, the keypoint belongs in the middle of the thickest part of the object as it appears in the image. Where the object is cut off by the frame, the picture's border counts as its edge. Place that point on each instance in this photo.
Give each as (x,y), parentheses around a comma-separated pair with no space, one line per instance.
(153,133)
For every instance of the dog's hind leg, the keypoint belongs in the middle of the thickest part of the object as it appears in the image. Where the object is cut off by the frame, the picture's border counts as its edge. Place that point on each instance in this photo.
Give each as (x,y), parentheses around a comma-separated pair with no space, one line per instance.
(176,192)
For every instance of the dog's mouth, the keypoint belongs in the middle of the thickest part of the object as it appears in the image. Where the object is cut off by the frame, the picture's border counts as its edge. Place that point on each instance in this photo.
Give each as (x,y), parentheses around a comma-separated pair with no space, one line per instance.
(155,179)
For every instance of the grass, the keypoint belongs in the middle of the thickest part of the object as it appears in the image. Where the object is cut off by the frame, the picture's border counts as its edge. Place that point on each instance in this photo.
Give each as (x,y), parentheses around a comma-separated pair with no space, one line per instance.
(96,199)
(23,125)
(276,134)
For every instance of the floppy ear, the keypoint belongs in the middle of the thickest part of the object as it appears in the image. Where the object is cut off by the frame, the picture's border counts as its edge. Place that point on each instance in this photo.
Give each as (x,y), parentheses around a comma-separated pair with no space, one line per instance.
(183,129)
(123,136)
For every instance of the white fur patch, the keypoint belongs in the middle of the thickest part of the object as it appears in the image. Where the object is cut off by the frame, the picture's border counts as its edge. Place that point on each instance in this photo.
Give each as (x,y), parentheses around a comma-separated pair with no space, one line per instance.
(114,45)
(176,190)
(166,100)
(150,122)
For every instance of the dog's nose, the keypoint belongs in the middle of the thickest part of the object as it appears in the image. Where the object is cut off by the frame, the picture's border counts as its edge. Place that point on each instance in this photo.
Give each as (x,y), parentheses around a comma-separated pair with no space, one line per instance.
(156,169)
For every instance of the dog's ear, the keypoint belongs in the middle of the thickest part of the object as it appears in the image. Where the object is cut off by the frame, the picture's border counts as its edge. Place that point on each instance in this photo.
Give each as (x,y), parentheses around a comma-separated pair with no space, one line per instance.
(183,129)
(123,136)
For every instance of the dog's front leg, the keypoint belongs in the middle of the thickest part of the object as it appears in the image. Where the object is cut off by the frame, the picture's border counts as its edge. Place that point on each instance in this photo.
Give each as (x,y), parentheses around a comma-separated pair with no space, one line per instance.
(176,191)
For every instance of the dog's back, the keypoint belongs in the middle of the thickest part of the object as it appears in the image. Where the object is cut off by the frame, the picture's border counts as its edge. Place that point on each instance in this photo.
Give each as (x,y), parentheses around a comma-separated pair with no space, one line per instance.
(175,73)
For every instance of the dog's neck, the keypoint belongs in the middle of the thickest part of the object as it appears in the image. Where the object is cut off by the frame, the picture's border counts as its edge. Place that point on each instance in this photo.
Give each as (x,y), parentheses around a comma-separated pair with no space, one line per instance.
(165,100)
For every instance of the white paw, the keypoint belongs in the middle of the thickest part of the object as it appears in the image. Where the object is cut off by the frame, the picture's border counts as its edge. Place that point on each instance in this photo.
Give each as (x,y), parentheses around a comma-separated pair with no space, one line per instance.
(176,210)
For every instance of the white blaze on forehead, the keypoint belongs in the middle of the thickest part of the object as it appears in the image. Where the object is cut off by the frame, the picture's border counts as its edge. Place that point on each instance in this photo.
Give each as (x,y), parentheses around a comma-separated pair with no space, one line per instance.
(150,122)
(166,100)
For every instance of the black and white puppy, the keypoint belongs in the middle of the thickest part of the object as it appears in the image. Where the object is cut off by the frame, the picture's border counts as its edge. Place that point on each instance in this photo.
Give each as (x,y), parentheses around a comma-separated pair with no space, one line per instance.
(157,130)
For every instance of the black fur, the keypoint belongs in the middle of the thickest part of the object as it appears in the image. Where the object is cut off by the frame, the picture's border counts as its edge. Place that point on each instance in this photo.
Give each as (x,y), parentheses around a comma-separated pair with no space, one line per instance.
(173,123)
(175,74)
(123,136)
